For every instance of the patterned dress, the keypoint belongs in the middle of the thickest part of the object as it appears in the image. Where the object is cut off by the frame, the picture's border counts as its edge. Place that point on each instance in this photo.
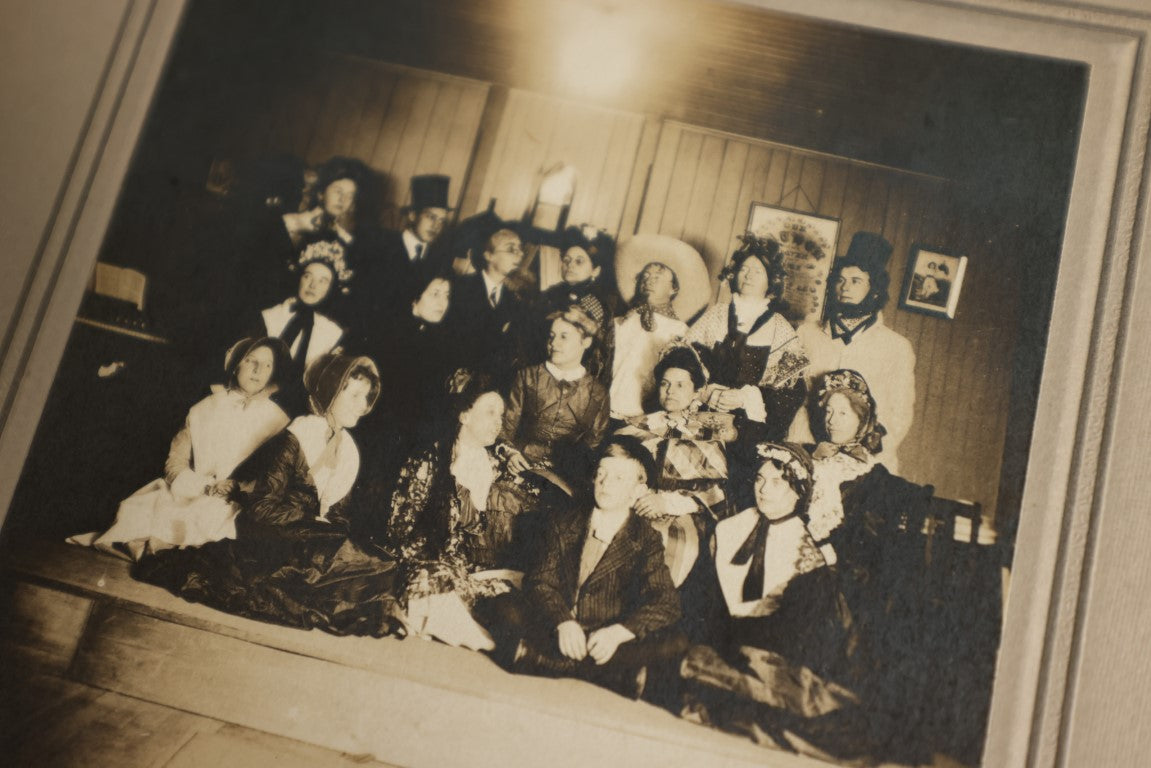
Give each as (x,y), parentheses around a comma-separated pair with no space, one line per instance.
(762,352)
(443,536)
(693,467)
(451,536)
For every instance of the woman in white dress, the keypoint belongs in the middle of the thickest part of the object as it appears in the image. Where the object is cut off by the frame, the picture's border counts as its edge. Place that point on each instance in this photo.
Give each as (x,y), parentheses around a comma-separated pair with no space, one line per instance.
(189,505)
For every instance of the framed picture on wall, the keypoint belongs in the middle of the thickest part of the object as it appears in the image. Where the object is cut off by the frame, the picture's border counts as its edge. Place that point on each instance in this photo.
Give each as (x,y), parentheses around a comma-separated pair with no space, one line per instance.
(933,282)
(808,243)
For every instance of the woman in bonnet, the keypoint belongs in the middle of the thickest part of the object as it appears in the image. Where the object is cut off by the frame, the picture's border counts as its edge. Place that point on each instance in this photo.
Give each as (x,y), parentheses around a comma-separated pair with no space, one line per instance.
(189,505)
(848,438)
(302,320)
(294,560)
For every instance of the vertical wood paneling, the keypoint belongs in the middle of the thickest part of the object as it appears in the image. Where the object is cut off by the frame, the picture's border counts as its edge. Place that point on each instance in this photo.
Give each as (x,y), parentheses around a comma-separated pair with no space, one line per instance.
(377,105)
(539,132)
(642,174)
(726,219)
(682,183)
(399,121)
(700,204)
(656,198)
(701,187)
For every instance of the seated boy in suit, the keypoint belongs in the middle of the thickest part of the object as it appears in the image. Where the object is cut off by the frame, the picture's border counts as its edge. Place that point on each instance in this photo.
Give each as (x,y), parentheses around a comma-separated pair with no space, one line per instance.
(600,605)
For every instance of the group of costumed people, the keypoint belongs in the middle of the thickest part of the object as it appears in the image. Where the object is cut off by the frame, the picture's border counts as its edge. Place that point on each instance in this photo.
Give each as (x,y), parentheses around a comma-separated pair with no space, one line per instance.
(692,514)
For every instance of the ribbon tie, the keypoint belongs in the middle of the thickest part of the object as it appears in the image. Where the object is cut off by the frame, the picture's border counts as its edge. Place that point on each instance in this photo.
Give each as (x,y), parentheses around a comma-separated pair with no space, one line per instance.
(826,450)
(647,313)
(840,330)
(753,548)
(303,318)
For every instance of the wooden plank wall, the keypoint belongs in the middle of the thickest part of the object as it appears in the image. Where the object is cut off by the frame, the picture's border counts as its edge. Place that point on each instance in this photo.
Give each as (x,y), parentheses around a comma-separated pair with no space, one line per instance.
(700,190)
(399,121)
(536,132)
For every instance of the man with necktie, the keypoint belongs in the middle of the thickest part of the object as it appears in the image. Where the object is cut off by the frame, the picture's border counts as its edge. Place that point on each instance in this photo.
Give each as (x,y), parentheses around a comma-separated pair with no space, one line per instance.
(389,262)
(488,320)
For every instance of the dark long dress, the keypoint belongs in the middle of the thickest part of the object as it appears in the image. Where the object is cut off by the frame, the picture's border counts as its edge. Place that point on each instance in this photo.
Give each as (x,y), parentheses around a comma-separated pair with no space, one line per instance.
(785,672)
(844,660)
(415,360)
(286,564)
(768,356)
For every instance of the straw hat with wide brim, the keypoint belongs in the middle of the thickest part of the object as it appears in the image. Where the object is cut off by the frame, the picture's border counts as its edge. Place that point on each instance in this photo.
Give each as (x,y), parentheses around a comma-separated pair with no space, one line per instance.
(694,283)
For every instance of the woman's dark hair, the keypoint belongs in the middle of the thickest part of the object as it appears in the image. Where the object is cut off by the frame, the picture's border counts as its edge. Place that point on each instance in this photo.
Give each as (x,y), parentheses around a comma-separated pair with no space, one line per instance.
(600,248)
(338,168)
(281,359)
(795,465)
(368,200)
(767,251)
(422,278)
(685,359)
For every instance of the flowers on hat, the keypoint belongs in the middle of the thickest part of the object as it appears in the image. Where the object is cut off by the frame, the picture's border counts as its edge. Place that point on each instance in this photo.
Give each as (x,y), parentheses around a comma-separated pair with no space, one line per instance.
(331,253)
(785,457)
(842,380)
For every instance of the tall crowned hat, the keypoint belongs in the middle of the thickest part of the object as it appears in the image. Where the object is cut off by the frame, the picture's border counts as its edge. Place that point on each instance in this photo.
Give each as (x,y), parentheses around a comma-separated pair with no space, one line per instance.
(430,191)
(868,251)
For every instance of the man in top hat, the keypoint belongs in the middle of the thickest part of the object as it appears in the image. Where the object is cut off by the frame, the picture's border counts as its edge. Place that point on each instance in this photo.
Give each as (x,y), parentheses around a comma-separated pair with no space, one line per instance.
(390,261)
(410,250)
(854,336)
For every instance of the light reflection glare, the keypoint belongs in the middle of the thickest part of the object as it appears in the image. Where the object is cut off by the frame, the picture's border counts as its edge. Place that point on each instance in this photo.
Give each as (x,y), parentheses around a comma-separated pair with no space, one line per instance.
(597,51)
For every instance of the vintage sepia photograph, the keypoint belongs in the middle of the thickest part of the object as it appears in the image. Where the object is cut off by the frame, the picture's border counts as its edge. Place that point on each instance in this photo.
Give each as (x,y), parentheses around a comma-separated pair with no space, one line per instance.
(458,381)
(934,280)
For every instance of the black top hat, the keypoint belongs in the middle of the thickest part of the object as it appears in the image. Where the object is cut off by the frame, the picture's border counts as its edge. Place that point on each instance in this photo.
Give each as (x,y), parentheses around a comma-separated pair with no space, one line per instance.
(868,251)
(430,191)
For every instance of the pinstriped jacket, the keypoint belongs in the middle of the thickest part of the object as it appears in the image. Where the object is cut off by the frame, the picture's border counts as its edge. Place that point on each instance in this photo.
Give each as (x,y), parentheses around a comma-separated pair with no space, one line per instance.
(630,586)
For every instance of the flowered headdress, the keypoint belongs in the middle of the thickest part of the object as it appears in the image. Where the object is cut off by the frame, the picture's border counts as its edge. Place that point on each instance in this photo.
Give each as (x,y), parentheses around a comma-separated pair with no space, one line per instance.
(854,387)
(764,248)
(796,467)
(331,254)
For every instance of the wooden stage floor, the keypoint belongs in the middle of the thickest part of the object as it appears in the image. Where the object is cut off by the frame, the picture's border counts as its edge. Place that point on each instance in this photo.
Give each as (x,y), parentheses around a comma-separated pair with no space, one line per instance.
(99,669)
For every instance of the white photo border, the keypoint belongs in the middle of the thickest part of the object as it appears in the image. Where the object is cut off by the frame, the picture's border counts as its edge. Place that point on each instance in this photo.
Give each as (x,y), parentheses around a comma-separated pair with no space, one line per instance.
(1074,432)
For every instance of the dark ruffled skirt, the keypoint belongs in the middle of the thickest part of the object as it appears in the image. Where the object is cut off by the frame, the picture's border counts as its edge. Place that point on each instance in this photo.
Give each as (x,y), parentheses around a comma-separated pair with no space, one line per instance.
(313,577)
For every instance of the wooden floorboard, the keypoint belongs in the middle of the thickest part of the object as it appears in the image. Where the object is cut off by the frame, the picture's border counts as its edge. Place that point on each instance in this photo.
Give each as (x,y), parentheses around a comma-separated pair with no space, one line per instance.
(411,702)
(50,722)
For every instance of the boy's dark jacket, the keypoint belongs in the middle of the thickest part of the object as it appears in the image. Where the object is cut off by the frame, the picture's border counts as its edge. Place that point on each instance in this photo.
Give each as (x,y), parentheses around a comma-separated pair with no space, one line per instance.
(630,586)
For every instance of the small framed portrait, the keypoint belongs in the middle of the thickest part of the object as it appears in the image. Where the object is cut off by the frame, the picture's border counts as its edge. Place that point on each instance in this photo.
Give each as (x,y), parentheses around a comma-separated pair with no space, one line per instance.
(808,242)
(934,281)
